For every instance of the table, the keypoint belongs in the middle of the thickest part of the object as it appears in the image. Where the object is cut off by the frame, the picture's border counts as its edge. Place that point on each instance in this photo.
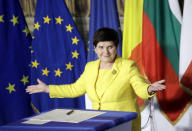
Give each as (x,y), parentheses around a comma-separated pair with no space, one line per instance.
(109,121)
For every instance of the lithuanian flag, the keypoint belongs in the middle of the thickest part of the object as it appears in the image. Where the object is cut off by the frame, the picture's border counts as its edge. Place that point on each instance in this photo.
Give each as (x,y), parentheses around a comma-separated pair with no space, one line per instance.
(151,37)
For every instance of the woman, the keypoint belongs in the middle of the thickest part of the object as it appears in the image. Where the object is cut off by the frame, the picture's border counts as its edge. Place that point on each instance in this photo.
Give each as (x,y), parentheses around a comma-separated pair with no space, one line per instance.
(110,82)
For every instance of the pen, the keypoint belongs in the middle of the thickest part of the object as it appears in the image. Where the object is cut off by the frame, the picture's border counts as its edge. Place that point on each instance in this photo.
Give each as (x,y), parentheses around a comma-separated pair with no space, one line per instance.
(70,112)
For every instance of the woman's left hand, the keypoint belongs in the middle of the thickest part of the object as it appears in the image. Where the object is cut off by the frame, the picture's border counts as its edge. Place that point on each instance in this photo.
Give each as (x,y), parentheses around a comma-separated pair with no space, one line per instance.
(156,86)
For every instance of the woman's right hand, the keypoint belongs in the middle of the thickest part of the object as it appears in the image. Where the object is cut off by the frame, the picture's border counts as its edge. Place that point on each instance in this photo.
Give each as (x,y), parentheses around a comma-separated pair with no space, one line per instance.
(40,87)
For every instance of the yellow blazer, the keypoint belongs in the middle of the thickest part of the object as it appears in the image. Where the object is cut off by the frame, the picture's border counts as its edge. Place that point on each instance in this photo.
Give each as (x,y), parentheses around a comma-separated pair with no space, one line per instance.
(122,86)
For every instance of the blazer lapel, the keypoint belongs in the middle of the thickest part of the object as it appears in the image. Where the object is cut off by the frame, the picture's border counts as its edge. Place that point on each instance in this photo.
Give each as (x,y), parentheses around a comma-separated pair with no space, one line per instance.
(93,78)
(113,74)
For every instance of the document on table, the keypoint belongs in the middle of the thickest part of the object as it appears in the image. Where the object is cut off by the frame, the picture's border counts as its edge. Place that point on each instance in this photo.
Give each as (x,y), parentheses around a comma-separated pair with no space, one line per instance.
(63,115)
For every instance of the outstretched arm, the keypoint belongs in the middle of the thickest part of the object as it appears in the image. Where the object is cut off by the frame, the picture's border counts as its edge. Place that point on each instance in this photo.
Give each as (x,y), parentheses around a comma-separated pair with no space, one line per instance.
(40,87)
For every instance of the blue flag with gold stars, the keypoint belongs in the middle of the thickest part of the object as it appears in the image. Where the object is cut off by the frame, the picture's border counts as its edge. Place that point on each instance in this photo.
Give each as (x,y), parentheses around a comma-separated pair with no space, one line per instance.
(15,57)
(103,13)
(58,53)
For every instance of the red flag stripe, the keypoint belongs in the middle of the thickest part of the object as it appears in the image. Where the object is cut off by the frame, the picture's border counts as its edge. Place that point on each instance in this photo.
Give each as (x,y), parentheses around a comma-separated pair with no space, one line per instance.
(186,80)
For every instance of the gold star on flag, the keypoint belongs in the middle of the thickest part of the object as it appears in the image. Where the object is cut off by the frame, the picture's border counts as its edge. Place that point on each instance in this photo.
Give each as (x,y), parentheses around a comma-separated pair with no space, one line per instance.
(75,54)
(69,28)
(25,79)
(37,26)
(15,20)
(58,72)
(1,18)
(11,88)
(35,63)
(46,19)
(58,20)
(75,40)
(45,72)
(69,66)
(26,31)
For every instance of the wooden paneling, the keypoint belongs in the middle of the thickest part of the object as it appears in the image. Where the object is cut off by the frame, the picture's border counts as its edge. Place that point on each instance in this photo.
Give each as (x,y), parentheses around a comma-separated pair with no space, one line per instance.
(80,8)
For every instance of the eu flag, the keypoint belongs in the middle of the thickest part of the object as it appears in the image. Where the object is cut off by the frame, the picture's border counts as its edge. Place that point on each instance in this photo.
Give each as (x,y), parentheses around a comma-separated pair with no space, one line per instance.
(15,42)
(103,14)
(58,53)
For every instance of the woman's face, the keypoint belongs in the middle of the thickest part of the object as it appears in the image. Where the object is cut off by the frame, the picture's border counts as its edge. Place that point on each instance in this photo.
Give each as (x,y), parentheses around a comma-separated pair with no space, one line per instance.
(106,51)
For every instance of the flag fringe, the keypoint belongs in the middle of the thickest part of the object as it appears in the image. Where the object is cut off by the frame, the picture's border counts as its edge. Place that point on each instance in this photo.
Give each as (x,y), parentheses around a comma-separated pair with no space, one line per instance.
(180,115)
(189,91)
